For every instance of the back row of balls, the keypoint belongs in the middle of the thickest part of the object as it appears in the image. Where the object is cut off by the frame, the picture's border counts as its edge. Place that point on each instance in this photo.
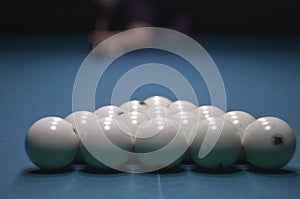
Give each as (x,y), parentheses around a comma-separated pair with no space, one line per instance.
(267,143)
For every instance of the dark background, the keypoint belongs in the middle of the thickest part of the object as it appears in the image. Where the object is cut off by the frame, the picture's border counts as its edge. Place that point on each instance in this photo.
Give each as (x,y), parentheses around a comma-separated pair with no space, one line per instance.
(211,16)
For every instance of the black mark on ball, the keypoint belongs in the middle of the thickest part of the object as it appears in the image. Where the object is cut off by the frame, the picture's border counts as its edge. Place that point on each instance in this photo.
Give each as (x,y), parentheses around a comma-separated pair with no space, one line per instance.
(142,103)
(278,140)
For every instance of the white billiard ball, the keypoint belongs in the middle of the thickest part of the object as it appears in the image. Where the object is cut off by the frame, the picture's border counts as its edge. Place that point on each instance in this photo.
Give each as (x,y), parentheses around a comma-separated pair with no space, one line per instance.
(159,144)
(207,111)
(106,145)
(159,111)
(51,143)
(135,105)
(182,105)
(132,120)
(157,101)
(241,121)
(109,111)
(78,120)
(269,143)
(217,144)
(189,122)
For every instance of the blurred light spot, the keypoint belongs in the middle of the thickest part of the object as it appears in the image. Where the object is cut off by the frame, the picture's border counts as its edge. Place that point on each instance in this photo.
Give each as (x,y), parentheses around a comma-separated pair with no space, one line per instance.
(107,127)
(262,119)
(134,122)
(235,121)
(57,119)
(53,127)
(214,127)
(268,128)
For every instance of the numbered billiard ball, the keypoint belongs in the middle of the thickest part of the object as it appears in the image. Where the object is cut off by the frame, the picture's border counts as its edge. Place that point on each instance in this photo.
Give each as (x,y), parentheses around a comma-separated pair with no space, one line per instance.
(189,122)
(106,145)
(79,121)
(241,121)
(269,143)
(217,144)
(51,143)
(159,144)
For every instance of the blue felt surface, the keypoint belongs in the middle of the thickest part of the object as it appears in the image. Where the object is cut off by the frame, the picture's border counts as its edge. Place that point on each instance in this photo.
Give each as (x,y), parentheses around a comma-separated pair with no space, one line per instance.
(261,75)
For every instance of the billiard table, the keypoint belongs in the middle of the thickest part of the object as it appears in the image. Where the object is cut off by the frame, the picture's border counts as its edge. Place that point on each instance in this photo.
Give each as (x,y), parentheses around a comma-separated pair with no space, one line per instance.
(261,75)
